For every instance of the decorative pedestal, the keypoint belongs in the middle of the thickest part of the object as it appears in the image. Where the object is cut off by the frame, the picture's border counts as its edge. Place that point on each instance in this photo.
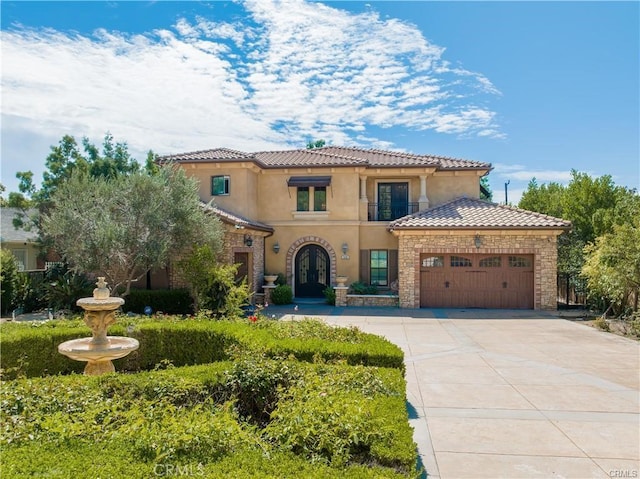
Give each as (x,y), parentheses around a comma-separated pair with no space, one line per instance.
(267,293)
(270,279)
(341,295)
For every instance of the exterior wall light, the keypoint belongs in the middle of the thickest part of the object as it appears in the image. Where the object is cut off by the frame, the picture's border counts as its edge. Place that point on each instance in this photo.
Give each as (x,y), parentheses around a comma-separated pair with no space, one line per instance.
(477,241)
(345,248)
(276,248)
(248,240)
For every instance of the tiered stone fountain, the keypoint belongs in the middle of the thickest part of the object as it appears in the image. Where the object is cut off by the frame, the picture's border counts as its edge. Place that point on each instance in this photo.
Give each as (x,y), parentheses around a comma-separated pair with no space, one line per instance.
(99,350)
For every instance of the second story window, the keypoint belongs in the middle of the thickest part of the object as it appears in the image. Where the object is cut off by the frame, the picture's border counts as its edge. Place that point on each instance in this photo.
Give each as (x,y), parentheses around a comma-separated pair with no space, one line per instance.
(311,192)
(303,198)
(219,185)
(320,198)
(307,193)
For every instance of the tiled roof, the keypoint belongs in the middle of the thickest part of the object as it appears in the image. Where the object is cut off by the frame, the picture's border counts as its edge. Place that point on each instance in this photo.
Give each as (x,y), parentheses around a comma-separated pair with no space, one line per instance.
(237,220)
(328,156)
(8,233)
(306,158)
(217,154)
(475,213)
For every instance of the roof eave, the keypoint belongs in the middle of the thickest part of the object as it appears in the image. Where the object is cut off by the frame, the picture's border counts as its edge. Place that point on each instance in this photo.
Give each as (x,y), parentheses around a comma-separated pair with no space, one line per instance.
(475,228)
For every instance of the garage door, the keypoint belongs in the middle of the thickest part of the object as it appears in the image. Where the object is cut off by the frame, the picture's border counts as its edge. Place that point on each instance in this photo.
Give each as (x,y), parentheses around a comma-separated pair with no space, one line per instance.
(476,281)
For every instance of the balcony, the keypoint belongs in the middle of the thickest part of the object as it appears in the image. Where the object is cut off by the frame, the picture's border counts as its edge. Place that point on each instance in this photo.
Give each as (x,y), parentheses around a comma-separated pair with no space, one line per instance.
(390,211)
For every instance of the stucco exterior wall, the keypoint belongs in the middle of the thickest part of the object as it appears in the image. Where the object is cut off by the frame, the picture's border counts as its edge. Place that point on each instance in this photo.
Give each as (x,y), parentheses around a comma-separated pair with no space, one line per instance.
(278,201)
(542,245)
(243,186)
(447,186)
(27,251)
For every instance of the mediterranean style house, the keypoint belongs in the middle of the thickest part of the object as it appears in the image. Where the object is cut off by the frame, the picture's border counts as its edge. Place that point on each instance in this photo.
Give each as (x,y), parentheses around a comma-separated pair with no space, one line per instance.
(413,226)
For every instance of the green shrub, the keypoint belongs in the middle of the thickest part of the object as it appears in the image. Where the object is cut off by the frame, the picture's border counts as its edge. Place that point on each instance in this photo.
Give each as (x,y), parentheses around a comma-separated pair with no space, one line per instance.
(328,417)
(328,421)
(282,279)
(63,287)
(31,349)
(169,301)
(32,294)
(282,294)
(256,384)
(602,323)
(9,280)
(329,295)
(358,287)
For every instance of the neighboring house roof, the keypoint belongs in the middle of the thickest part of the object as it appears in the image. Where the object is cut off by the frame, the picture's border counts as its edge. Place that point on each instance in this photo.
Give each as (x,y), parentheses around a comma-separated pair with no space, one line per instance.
(327,156)
(475,213)
(8,233)
(237,220)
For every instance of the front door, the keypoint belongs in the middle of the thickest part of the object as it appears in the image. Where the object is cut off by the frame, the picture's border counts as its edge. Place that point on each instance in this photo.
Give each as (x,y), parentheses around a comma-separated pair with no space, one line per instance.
(312,272)
(242,260)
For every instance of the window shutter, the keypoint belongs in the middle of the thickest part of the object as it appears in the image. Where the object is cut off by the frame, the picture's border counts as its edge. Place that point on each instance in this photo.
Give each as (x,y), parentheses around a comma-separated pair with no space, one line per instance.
(364,266)
(393,265)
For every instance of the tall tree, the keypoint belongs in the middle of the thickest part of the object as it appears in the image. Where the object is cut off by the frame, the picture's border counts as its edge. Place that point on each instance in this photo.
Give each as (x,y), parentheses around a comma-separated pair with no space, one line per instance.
(123,226)
(67,157)
(485,189)
(612,267)
(311,144)
(599,211)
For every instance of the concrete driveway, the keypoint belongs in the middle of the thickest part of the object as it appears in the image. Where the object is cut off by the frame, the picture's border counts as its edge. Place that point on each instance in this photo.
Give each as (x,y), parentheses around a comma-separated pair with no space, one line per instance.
(513,394)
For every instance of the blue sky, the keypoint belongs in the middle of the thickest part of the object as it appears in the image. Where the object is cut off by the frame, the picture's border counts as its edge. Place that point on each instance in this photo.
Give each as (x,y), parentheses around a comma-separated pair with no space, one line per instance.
(535,88)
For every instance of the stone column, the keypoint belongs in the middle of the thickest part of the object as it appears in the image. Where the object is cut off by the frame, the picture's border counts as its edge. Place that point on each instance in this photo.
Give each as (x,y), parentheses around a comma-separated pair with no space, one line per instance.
(267,293)
(364,201)
(423,201)
(341,295)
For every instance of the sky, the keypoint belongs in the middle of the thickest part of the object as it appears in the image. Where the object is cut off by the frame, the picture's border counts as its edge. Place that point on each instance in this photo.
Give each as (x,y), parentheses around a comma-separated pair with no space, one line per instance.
(534,88)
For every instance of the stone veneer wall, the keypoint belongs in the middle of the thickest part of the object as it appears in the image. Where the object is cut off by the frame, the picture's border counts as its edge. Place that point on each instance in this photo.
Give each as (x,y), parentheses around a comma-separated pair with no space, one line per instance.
(234,243)
(372,300)
(542,245)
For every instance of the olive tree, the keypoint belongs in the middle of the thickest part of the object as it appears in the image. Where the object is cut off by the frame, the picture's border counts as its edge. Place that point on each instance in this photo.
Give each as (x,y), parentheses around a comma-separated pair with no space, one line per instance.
(612,267)
(122,226)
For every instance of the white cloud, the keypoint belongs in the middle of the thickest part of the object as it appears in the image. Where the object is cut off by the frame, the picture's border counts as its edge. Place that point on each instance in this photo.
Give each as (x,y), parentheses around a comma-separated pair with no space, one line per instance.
(520,173)
(294,70)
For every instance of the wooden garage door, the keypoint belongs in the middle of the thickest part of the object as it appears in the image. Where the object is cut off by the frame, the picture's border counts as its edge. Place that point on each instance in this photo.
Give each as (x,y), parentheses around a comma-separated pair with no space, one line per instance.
(476,281)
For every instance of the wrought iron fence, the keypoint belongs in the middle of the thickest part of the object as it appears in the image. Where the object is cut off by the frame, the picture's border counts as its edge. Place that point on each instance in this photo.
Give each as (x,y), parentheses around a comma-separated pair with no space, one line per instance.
(572,290)
(390,211)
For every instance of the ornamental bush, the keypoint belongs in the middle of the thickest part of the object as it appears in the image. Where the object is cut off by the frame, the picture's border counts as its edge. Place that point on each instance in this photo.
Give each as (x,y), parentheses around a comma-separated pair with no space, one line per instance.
(9,280)
(328,421)
(31,349)
(282,294)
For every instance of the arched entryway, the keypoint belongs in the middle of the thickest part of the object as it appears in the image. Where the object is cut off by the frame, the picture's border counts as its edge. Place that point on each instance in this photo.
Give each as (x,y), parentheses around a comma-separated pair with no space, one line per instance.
(312,271)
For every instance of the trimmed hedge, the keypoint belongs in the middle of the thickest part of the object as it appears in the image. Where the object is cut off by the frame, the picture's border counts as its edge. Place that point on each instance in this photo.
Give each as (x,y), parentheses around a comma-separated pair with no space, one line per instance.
(31,349)
(327,421)
(168,301)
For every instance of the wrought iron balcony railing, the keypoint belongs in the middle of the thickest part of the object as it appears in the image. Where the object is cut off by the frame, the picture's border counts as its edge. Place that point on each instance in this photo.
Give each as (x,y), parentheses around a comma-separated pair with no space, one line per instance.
(390,211)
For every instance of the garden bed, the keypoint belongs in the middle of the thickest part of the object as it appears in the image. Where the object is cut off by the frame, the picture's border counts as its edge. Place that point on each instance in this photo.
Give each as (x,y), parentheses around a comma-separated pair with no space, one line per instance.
(283,400)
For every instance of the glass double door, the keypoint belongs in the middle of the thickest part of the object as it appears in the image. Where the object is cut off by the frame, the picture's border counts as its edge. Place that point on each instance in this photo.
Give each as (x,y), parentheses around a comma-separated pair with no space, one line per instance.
(312,272)
(393,201)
